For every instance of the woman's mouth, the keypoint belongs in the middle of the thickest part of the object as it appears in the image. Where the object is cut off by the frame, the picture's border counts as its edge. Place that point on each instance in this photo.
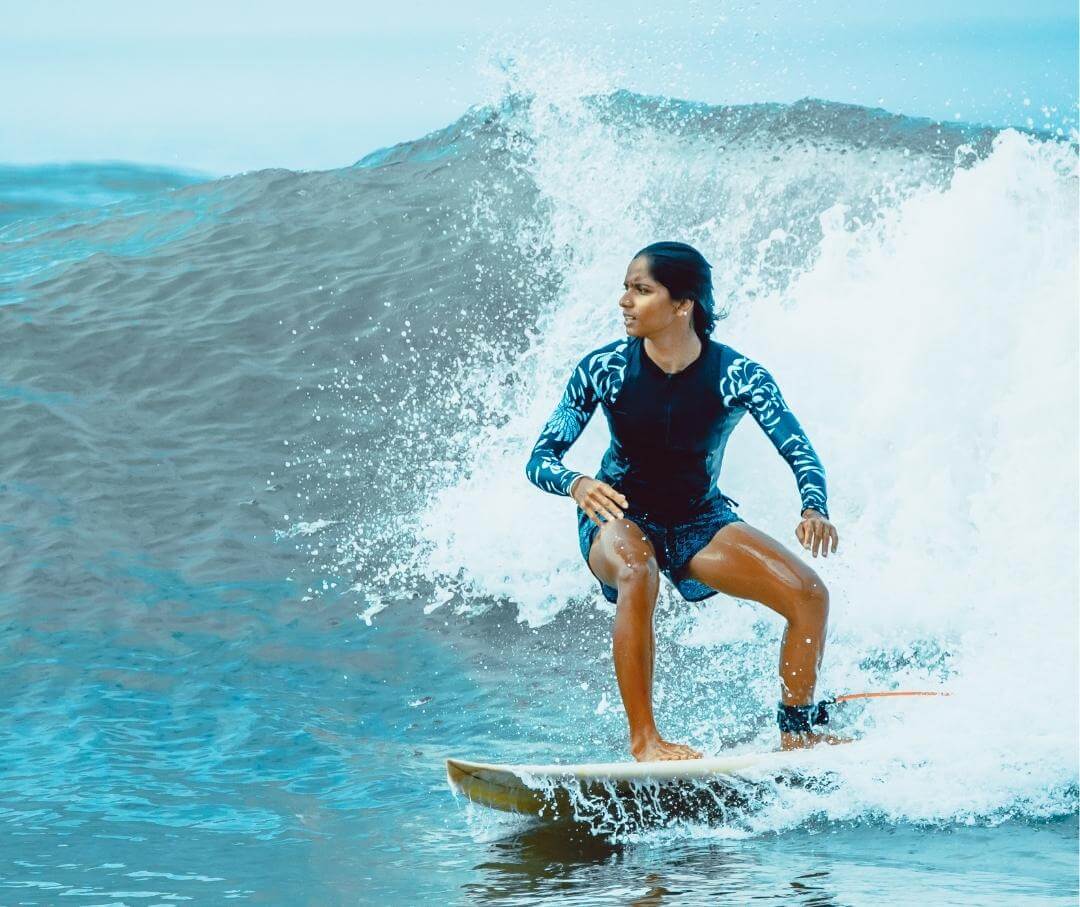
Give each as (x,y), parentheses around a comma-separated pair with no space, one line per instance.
(629,318)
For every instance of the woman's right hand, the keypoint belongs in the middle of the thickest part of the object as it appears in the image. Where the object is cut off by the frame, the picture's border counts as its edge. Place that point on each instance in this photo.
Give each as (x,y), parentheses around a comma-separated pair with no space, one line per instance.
(596,497)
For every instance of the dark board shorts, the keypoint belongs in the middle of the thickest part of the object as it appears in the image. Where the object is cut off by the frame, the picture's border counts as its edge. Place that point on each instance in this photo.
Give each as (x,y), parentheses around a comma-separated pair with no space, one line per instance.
(674,543)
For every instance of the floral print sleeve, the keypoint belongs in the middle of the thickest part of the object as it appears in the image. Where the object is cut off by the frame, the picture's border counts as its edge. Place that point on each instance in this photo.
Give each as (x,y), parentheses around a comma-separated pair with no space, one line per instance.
(750,386)
(562,429)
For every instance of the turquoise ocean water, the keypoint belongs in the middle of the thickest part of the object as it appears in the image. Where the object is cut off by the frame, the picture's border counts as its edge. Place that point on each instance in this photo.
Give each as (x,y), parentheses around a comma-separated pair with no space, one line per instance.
(268,555)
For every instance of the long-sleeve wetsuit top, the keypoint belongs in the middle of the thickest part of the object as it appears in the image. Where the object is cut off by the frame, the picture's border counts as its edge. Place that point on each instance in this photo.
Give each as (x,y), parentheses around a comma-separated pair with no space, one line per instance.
(669,431)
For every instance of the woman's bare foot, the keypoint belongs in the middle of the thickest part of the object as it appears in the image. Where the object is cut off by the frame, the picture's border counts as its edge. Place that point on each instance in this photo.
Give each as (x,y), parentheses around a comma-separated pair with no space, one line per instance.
(656,749)
(793,741)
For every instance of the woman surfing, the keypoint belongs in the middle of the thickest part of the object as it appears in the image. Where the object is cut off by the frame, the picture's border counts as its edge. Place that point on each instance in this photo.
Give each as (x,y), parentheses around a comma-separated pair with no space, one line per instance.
(672,397)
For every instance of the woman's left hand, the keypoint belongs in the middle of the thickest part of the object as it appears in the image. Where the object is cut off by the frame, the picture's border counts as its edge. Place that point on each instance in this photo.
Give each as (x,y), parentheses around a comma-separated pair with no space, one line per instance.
(816,532)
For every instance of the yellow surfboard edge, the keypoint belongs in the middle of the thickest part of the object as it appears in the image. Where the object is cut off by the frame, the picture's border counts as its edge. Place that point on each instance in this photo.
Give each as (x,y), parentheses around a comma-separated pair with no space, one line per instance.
(506,788)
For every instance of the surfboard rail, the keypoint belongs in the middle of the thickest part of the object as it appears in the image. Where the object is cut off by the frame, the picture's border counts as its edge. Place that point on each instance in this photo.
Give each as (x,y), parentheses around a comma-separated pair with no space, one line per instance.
(539,789)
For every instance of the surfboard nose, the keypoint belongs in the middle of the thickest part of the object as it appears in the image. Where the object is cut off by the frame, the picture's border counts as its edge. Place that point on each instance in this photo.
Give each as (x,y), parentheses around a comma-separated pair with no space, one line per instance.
(455,775)
(495,786)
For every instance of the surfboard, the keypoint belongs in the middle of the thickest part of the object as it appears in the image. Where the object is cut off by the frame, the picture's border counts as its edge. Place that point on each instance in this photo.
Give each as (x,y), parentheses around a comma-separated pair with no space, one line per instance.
(566,791)
(699,787)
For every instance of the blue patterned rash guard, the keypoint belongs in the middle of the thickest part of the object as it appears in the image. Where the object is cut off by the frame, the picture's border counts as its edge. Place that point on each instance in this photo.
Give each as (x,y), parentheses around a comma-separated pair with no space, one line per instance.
(669,431)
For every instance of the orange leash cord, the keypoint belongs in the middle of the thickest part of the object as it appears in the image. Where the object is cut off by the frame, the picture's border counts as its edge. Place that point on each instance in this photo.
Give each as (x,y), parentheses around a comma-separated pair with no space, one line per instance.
(848,696)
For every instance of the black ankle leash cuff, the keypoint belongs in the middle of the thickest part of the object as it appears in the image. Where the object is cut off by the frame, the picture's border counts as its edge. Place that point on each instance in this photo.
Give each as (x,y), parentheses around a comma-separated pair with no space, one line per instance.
(799,719)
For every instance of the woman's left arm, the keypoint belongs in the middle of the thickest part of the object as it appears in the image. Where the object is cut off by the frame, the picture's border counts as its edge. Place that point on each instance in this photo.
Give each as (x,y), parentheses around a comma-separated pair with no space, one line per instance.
(754,388)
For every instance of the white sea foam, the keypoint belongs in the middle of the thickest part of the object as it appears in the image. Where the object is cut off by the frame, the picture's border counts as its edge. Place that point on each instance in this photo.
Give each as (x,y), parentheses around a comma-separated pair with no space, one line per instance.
(930,351)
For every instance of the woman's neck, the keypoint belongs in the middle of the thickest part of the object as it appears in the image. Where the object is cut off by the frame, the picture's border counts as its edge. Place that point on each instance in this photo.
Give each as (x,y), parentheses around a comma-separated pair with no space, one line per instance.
(673,352)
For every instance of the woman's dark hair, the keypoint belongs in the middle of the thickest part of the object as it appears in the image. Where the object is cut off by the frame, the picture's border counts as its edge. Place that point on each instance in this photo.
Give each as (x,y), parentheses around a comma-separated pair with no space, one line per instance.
(687,275)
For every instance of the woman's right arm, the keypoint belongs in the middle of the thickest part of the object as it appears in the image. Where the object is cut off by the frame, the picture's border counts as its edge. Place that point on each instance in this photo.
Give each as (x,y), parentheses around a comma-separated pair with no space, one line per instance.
(545,468)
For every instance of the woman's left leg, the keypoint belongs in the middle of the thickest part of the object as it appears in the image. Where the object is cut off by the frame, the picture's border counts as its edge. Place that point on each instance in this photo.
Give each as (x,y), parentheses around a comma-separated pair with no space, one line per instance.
(746,563)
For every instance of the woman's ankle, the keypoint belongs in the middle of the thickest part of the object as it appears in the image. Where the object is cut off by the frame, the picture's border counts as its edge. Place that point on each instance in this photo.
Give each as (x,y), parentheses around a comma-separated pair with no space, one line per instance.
(643,738)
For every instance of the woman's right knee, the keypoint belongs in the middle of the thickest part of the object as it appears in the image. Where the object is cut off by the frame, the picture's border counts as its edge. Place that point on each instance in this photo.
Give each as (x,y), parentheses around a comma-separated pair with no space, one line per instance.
(638,576)
(638,584)
(627,558)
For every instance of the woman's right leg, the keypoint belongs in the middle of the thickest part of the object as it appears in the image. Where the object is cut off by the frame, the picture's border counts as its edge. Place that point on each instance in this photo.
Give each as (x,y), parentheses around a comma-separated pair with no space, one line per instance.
(622,556)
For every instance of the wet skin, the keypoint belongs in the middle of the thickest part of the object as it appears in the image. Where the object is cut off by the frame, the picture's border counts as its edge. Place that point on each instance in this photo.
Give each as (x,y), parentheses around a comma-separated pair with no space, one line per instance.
(739,560)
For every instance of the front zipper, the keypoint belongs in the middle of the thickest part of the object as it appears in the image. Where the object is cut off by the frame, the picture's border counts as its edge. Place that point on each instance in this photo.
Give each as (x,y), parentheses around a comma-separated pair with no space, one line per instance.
(667,426)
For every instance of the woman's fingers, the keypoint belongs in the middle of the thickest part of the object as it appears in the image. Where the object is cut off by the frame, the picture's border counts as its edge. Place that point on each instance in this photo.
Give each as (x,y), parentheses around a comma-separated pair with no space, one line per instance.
(619,496)
(816,535)
(829,537)
(610,511)
(601,507)
(606,500)
(611,500)
(616,496)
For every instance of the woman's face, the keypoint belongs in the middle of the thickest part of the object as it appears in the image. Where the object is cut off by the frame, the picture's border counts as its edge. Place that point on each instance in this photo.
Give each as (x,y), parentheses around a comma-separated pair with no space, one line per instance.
(646,304)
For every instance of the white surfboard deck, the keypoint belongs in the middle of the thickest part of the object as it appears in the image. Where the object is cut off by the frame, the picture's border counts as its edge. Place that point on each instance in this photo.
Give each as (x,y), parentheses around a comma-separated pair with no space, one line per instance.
(547,789)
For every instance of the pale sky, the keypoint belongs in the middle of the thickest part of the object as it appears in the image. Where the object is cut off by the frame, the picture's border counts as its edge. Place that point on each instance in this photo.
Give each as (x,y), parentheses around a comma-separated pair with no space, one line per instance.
(224,87)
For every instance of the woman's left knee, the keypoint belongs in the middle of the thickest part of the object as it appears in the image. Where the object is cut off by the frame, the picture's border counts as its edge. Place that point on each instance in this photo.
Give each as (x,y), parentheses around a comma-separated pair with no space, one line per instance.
(813,601)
